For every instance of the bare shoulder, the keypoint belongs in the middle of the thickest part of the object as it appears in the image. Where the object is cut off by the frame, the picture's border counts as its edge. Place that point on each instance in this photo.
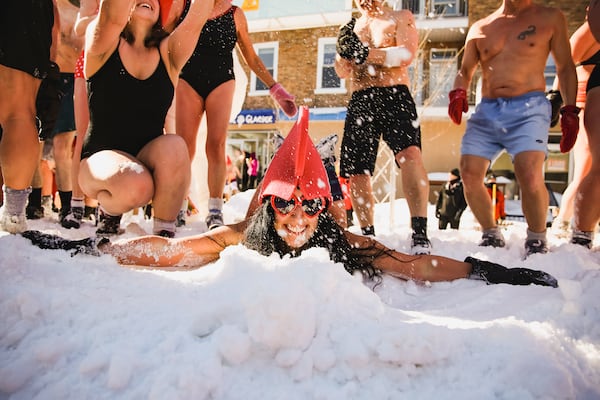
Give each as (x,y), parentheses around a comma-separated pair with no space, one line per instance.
(404,17)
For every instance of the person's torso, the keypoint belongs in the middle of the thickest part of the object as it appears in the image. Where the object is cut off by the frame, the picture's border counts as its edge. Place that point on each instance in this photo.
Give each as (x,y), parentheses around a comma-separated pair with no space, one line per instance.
(124,109)
(378,32)
(217,41)
(513,51)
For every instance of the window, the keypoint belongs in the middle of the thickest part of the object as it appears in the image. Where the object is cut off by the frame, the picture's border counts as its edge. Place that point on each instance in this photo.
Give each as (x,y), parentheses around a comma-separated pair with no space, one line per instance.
(268,53)
(444,7)
(442,71)
(327,79)
(413,5)
(550,72)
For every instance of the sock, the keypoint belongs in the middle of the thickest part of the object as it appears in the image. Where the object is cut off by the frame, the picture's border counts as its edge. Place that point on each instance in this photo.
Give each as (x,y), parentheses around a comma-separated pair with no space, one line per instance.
(35,198)
(215,205)
(65,201)
(160,225)
(583,235)
(536,236)
(15,201)
(419,225)
(368,230)
(495,232)
(75,202)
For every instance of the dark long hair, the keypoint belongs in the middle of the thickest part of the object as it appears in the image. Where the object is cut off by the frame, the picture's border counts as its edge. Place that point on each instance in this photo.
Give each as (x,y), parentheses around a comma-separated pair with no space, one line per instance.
(157,34)
(261,236)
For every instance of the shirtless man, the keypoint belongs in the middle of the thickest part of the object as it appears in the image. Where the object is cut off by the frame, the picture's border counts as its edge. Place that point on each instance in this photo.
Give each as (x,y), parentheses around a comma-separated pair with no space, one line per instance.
(374,54)
(25,41)
(512,45)
(69,48)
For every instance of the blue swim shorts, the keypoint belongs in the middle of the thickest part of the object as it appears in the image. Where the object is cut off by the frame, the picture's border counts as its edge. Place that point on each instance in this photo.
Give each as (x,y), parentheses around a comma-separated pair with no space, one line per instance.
(516,124)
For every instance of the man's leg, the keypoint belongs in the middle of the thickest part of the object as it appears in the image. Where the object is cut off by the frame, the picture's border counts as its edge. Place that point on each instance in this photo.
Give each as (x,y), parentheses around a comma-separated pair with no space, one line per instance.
(416,189)
(19,147)
(363,202)
(63,158)
(529,170)
(473,169)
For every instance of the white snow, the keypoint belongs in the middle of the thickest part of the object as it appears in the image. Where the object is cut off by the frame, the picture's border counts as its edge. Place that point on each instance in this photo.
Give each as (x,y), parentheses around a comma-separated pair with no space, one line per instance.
(254,327)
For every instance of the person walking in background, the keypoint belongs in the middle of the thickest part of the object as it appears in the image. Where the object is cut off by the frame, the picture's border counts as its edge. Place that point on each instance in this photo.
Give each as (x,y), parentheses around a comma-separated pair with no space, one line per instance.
(583,47)
(374,53)
(252,165)
(511,46)
(132,67)
(26,30)
(451,201)
(207,85)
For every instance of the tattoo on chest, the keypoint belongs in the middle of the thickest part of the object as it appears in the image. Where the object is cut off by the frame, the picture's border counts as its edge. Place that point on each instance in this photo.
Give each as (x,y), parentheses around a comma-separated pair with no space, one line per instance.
(528,32)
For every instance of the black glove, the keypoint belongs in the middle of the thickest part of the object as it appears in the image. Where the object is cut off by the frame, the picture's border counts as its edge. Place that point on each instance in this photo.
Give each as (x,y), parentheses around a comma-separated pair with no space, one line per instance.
(54,242)
(349,45)
(556,102)
(496,273)
(48,101)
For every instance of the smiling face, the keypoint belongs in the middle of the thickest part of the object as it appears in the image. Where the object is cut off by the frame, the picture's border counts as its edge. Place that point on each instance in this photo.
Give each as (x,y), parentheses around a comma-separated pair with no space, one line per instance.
(147,9)
(295,228)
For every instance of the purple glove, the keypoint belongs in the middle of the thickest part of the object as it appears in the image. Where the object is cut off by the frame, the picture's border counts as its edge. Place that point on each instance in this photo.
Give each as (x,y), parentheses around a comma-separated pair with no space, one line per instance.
(284,99)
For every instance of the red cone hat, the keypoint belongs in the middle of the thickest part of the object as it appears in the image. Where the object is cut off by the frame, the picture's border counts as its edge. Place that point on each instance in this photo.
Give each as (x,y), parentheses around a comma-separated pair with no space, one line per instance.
(297,164)
(165,8)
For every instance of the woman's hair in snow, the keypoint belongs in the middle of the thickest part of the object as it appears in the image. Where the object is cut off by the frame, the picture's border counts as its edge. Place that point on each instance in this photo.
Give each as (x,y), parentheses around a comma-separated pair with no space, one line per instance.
(261,236)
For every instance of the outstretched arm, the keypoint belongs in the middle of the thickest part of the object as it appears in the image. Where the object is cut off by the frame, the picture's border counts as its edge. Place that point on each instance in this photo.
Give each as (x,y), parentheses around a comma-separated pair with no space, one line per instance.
(438,268)
(187,252)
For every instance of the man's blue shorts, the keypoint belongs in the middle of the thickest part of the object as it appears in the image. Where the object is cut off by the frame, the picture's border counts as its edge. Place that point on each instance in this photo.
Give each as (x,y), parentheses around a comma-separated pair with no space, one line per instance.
(516,124)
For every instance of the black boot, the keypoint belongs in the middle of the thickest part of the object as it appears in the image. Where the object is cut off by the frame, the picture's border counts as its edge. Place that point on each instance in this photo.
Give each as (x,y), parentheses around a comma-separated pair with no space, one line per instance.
(495,273)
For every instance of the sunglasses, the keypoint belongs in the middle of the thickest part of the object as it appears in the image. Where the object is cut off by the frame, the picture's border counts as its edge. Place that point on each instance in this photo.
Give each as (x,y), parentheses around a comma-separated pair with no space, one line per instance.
(311,208)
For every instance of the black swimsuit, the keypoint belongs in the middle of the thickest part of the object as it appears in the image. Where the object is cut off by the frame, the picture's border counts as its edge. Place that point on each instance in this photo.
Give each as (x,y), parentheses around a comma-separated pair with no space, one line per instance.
(211,64)
(125,112)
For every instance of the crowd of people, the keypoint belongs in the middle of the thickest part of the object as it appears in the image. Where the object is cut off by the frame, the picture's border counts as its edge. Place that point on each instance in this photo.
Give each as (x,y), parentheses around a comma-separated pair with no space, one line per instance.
(111,70)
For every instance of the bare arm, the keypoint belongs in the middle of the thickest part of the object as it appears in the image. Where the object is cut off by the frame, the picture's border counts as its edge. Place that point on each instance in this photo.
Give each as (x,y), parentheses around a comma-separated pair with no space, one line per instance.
(408,267)
(188,252)
(182,41)
(87,12)
(103,34)
(244,43)
(469,63)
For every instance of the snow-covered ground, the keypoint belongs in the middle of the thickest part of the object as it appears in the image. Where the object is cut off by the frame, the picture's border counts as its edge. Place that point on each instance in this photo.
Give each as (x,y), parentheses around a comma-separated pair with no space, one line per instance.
(250,327)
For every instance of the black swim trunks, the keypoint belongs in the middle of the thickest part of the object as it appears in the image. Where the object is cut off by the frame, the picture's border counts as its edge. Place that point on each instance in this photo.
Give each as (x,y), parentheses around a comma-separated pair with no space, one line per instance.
(125,112)
(211,64)
(26,35)
(372,113)
(65,121)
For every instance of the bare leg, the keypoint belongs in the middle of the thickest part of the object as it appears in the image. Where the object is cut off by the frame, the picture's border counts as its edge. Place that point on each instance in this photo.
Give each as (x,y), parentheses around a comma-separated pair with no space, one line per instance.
(190,107)
(414,180)
(472,171)
(529,172)
(587,213)
(363,201)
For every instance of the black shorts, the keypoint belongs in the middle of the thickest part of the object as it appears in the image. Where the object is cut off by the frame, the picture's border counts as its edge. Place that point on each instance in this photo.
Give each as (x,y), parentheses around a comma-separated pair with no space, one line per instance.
(372,113)
(26,35)
(204,77)
(65,121)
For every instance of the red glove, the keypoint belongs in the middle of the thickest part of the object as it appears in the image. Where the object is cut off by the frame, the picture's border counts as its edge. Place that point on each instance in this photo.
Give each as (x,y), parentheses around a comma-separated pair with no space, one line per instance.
(284,99)
(569,125)
(458,104)
(165,8)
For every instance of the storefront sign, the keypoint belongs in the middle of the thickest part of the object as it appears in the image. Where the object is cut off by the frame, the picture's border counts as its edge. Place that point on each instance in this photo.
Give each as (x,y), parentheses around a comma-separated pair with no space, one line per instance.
(252,117)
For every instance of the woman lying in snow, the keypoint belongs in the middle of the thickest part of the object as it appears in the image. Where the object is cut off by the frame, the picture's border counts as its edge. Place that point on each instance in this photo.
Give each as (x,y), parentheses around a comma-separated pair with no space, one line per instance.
(292,217)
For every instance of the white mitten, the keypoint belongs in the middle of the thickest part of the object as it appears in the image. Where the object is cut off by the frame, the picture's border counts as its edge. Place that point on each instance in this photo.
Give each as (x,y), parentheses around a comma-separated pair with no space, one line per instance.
(395,56)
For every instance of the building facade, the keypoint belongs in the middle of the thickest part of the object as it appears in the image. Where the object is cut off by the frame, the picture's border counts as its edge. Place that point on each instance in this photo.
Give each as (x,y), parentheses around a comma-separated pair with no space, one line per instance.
(296,40)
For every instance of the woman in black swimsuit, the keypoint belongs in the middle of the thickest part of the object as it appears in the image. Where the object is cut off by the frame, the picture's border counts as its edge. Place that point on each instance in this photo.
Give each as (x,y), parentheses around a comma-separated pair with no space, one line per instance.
(207,84)
(132,66)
